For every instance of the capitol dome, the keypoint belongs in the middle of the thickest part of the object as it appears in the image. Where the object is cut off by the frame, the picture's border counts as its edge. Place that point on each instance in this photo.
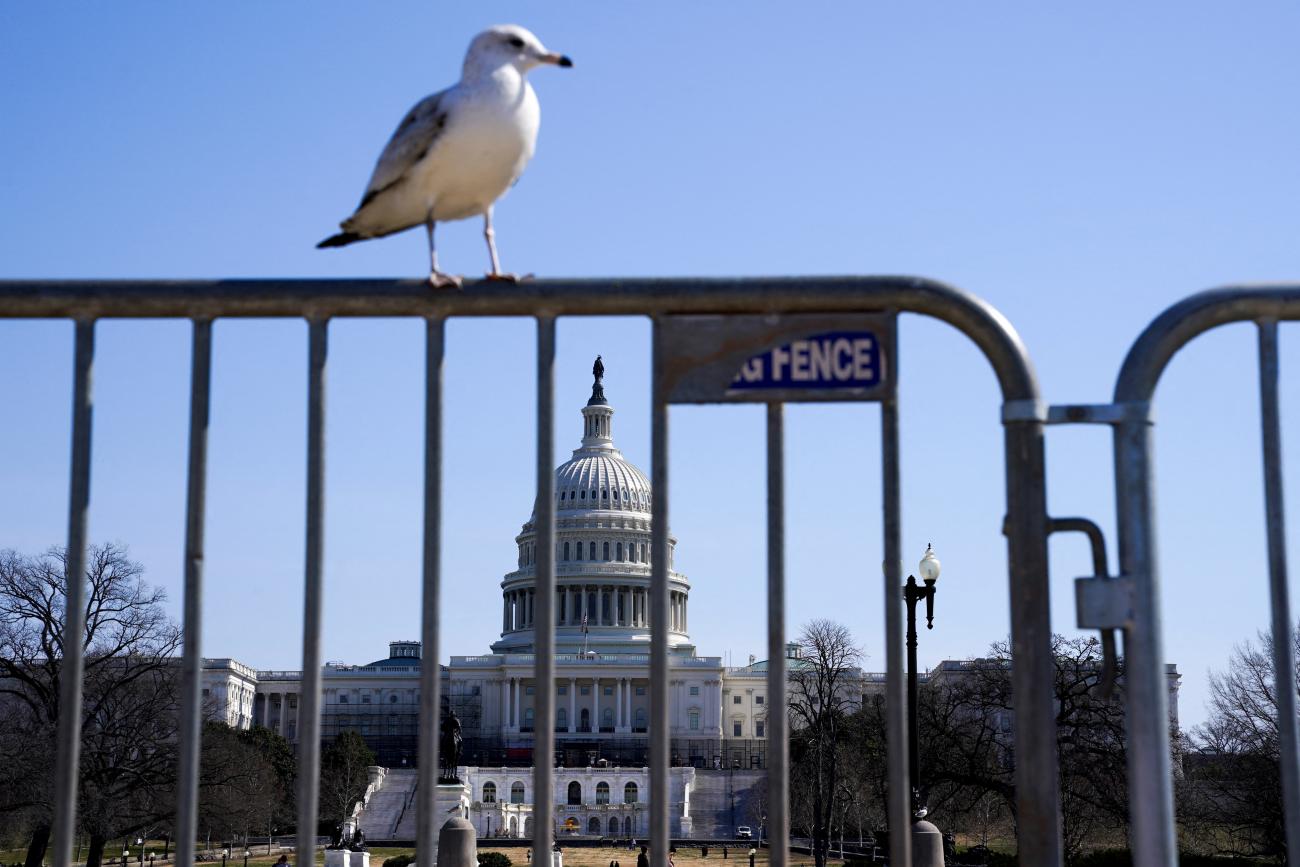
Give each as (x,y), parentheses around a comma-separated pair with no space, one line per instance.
(602,557)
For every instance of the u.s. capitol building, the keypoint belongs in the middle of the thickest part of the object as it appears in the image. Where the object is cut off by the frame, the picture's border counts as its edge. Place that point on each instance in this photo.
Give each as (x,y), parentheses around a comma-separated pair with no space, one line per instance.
(602,666)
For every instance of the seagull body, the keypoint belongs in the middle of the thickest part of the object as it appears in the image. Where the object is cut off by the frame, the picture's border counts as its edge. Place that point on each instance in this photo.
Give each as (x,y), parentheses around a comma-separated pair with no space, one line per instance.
(457,151)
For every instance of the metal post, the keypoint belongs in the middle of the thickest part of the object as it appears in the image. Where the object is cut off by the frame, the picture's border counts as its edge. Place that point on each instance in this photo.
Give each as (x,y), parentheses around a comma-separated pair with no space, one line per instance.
(187,812)
(426,822)
(911,595)
(658,734)
(1282,625)
(1150,776)
(778,742)
(67,760)
(544,600)
(309,706)
(1038,790)
(899,817)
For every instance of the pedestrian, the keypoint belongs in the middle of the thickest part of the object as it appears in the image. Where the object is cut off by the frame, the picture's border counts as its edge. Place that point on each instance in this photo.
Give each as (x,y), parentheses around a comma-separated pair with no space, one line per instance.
(704,851)
(528,854)
(284,859)
(672,856)
(724,851)
(751,856)
(642,860)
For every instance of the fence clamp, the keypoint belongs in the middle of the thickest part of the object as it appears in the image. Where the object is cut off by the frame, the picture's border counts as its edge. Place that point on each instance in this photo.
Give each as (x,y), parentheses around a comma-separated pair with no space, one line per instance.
(1102,602)
(1101,413)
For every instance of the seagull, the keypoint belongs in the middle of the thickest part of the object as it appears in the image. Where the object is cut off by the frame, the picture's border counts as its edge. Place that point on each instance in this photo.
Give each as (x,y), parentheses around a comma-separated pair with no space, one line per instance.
(458,151)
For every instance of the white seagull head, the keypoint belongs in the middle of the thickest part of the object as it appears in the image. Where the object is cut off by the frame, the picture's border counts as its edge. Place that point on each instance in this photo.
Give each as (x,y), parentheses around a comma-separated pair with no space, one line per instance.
(509,45)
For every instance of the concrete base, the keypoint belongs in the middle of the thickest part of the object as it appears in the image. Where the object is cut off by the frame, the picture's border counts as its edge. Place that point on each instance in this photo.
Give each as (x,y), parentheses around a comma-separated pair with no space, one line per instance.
(457,844)
(344,858)
(927,845)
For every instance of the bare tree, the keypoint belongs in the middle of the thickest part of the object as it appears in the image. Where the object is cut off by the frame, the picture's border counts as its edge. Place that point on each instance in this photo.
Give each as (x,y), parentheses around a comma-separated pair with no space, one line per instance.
(1231,799)
(128,696)
(344,775)
(821,699)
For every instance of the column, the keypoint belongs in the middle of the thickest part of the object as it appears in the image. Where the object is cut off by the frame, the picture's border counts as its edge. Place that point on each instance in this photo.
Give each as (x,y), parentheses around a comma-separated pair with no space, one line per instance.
(686,623)
(564,604)
(573,705)
(582,602)
(514,706)
(505,704)
(595,704)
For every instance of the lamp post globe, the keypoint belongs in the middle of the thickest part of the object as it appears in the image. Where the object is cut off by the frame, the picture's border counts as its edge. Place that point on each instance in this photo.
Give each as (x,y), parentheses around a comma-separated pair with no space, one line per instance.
(929,566)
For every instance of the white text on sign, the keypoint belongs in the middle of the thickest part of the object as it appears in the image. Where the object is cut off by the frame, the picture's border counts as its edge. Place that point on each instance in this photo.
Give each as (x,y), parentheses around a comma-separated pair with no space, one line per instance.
(833,360)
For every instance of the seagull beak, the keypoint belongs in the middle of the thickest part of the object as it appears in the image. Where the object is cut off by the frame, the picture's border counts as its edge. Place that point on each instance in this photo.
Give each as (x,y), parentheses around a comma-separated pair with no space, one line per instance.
(557,59)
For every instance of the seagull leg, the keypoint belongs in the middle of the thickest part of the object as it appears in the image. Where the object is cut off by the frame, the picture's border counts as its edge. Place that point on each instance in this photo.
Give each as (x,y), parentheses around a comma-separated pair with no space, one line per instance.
(490,236)
(437,279)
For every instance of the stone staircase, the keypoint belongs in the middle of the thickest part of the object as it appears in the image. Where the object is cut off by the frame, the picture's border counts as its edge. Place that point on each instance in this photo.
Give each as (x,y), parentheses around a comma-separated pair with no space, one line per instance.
(713,816)
(391,808)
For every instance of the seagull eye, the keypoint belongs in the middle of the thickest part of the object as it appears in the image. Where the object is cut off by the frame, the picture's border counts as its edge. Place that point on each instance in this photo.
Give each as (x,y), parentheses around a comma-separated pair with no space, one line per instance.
(516,42)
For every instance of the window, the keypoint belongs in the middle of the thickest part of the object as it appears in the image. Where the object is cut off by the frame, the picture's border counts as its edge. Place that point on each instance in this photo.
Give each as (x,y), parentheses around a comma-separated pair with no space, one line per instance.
(365,698)
(760,729)
(528,690)
(584,690)
(516,792)
(593,827)
(489,793)
(602,793)
(643,558)
(629,793)
(562,719)
(528,719)
(566,550)
(694,717)
(392,699)
(607,718)
(609,690)
(604,494)
(735,699)
(613,823)
(579,550)
(575,793)
(640,690)
(631,552)
(564,690)
(606,550)
(592,551)
(343,699)
(365,727)
(695,690)
(392,724)
(627,827)
(737,728)
(584,495)
(640,719)
(619,550)
(758,699)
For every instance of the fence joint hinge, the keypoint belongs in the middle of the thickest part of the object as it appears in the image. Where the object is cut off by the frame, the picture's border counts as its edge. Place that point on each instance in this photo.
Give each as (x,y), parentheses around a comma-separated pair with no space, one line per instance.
(1101,413)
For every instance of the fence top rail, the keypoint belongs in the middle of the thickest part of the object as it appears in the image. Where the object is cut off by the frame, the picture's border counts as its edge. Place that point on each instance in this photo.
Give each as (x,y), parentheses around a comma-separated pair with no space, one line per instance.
(1194,315)
(326,298)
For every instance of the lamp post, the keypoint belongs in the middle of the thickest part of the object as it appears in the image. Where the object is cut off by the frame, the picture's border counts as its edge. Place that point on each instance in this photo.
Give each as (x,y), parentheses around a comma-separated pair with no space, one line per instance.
(126,851)
(927,842)
(246,854)
(139,841)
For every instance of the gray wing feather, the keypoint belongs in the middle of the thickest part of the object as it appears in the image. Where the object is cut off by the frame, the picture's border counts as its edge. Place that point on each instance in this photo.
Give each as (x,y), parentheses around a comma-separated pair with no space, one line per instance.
(414,136)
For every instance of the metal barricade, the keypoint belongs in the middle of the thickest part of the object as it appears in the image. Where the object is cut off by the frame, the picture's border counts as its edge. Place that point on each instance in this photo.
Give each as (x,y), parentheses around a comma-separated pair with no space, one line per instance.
(675,307)
(1135,603)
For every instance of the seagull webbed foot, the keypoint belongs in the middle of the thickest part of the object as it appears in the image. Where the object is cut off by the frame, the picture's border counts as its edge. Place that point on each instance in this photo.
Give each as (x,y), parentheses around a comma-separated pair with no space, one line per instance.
(440,280)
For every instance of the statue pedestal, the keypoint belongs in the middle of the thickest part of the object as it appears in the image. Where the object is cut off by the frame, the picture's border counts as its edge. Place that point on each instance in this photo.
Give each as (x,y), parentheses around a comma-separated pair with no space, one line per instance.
(451,802)
(344,858)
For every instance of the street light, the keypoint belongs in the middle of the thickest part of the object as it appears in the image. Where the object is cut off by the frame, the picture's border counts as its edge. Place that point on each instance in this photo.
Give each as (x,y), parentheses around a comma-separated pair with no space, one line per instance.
(927,843)
(246,853)
(139,841)
(225,853)
(126,851)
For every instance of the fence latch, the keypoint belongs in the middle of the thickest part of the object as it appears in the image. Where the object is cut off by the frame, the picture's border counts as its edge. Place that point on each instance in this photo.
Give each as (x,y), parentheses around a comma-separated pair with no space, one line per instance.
(1103,602)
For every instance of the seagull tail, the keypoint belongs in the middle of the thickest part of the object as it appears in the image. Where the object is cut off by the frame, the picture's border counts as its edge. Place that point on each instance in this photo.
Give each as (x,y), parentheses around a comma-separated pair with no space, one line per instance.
(342,239)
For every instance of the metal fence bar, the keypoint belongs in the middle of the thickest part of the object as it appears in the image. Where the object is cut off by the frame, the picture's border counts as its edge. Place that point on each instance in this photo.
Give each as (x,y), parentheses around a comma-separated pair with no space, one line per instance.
(1282,624)
(189,735)
(67,762)
(544,596)
(1038,787)
(778,753)
(658,734)
(426,822)
(313,597)
(1150,776)
(899,807)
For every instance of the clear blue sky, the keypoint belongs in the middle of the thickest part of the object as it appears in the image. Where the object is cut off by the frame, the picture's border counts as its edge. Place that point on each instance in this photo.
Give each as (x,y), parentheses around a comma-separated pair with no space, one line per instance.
(1080,166)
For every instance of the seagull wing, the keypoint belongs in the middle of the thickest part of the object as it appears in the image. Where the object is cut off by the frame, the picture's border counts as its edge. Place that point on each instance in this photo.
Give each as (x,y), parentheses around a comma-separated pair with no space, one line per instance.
(415,136)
